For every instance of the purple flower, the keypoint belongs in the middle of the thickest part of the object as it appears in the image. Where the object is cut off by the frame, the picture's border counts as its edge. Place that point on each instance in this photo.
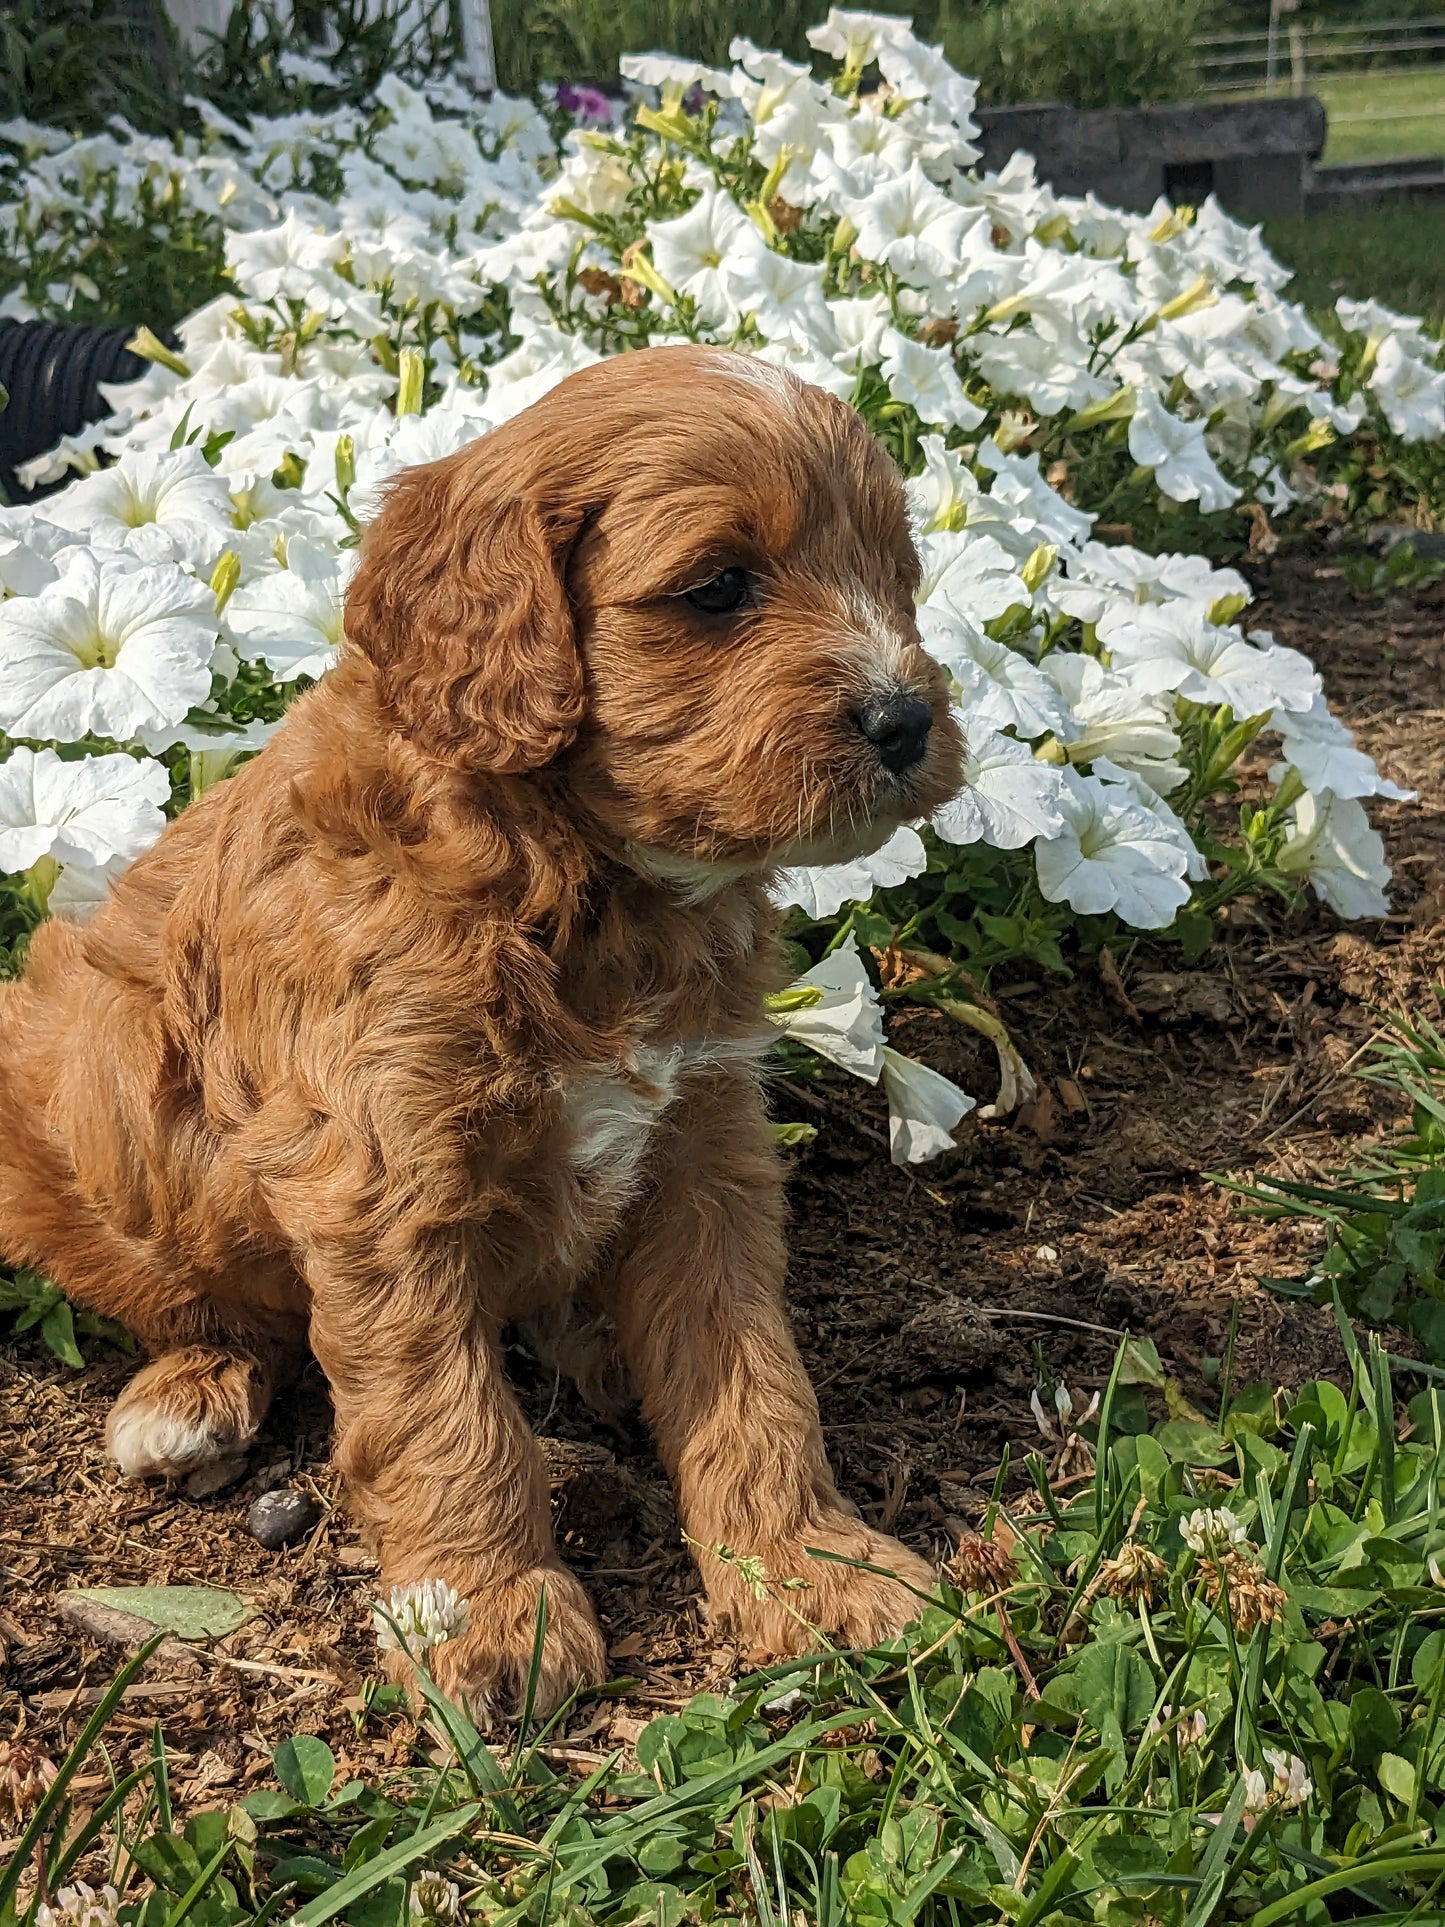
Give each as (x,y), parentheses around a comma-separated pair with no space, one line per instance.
(584,102)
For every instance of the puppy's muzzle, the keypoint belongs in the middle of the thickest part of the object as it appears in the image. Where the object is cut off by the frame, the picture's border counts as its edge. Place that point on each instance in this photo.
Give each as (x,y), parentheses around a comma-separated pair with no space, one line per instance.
(897,726)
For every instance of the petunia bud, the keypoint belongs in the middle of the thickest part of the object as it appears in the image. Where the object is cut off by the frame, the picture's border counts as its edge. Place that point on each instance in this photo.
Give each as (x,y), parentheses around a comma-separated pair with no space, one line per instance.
(224,577)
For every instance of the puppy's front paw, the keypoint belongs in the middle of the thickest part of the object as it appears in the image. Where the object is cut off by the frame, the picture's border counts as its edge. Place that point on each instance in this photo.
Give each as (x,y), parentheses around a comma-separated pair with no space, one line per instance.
(185,1410)
(851,1607)
(486,1668)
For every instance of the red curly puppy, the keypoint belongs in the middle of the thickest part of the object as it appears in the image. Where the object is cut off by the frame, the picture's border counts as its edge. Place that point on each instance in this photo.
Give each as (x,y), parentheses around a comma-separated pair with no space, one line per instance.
(447,1009)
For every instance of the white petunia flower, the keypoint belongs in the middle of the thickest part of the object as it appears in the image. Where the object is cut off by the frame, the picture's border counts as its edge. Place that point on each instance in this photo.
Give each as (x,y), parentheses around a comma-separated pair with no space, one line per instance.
(913,227)
(1174,647)
(109,649)
(970,574)
(1410,391)
(1008,797)
(1330,841)
(1175,450)
(1112,854)
(998,686)
(1316,743)
(845,1025)
(174,492)
(691,251)
(924,1109)
(784,298)
(820,890)
(81,888)
(84,810)
(292,619)
(413,1619)
(1111,717)
(926,379)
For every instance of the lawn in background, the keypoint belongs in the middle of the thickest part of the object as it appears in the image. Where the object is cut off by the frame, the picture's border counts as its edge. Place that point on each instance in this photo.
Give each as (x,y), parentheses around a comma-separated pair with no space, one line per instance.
(1411,107)
(1395,252)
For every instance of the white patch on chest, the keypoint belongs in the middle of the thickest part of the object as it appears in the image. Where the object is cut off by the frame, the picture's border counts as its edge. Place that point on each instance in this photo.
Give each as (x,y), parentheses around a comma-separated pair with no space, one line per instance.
(611,1115)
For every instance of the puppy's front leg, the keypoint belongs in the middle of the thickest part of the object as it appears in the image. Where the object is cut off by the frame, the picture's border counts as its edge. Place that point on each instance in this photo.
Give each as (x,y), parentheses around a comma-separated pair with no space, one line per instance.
(439,1459)
(698,1302)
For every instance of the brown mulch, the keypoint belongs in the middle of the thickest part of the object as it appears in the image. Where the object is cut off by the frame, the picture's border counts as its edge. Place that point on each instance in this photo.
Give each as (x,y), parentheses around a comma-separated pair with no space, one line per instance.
(926,1302)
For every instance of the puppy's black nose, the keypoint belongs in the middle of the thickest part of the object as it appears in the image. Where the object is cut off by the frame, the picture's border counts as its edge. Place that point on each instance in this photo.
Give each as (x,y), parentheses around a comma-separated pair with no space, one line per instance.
(897,727)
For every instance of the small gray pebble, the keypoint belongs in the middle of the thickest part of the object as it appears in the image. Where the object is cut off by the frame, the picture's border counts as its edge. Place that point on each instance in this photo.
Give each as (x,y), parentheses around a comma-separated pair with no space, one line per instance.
(280,1516)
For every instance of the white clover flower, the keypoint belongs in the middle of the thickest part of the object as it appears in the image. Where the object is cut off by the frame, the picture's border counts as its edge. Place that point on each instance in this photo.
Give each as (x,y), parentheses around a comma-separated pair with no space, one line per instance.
(1189,1728)
(83,811)
(924,1109)
(108,649)
(1291,1784)
(1330,842)
(79,1906)
(1057,1426)
(845,1025)
(1212,1527)
(1175,450)
(434,1898)
(1112,853)
(423,1616)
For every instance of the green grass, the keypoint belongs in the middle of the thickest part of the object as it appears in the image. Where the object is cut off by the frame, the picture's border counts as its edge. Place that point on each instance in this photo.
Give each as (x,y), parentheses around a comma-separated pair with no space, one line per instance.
(1394,252)
(1410,107)
(1122,1706)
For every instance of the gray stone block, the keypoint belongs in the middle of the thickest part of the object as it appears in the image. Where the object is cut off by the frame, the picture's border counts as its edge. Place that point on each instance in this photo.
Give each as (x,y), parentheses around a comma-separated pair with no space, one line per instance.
(1254,154)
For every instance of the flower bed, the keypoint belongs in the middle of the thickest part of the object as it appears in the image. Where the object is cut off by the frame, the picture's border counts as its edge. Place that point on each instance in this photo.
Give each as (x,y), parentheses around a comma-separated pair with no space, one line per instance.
(374,288)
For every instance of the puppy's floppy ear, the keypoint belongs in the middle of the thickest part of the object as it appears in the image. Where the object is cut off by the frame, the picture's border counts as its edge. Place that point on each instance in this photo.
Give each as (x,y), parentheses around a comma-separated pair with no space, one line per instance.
(460,604)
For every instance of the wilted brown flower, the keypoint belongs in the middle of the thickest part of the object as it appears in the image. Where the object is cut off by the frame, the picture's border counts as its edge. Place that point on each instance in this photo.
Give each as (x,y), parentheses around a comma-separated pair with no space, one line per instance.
(25,1776)
(983,1565)
(599,281)
(1252,1596)
(786,218)
(939,332)
(1134,1573)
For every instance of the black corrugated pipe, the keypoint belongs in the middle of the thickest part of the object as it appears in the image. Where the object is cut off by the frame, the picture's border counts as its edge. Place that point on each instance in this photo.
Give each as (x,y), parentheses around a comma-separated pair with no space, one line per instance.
(52,374)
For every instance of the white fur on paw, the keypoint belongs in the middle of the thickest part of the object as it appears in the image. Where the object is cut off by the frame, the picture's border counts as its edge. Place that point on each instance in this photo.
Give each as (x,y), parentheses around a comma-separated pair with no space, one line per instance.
(146,1442)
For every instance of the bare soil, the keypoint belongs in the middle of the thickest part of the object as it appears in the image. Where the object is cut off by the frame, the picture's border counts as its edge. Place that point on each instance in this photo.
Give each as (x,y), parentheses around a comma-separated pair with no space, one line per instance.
(925,1301)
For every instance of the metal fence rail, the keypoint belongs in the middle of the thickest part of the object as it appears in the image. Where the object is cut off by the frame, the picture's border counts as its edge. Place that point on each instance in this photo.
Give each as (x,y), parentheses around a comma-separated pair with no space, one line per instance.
(1289,56)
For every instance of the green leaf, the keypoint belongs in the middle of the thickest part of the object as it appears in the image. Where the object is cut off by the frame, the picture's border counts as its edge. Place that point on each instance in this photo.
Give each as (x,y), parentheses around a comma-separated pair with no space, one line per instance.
(306,1768)
(1397,1777)
(1113,1678)
(1140,1364)
(1189,1442)
(191,1612)
(1374,1725)
(57,1328)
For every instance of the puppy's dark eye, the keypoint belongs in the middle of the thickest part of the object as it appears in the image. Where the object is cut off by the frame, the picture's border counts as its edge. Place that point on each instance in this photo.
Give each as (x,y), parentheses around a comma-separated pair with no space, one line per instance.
(724,595)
